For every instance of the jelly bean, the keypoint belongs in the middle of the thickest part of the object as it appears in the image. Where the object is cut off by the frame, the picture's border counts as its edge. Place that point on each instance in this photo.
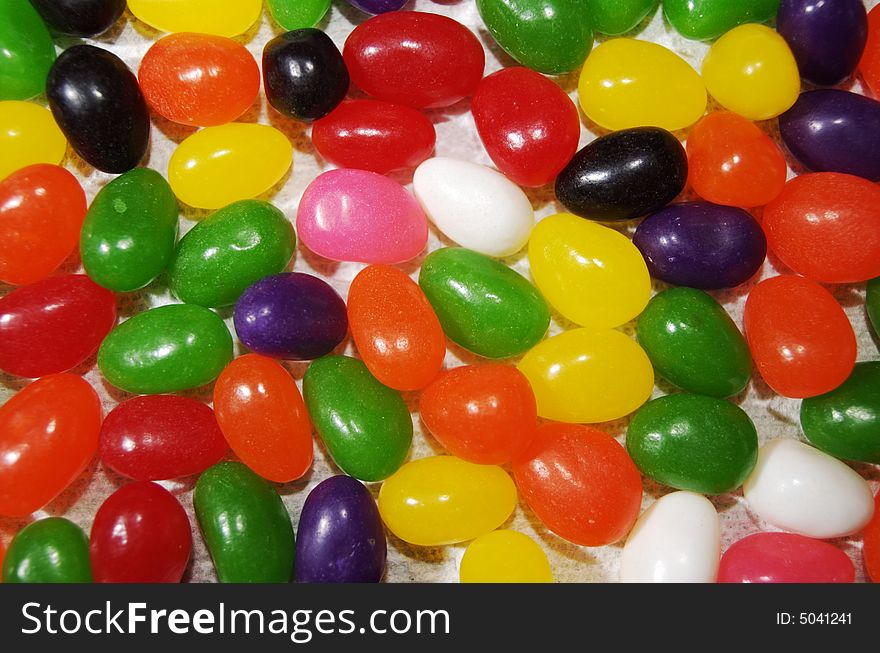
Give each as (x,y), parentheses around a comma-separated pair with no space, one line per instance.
(292,315)
(80,17)
(166,349)
(474,206)
(28,51)
(355,215)
(141,534)
(693,343)
(199,79)
(484,414)
(872,303)
(615,17)
(240,514)
(53,325)
(53,550)
(784,558)
(365,425)
(394,328)
(383,53)
(220,165)
(220,17)
(871,539)
(42,208)
(676,540)
(550,36)
(591,274)
(731,161)
(869,65)
(800,489)
(263,417)
(374,135)
(834,131)
(629,83)
(296,14)
(442,500)
(826,38)
(801,340)
(528,125)
(827,226)
(750,70)
(624,175)
(48,434)
(708,19)
(159,437)
(28,135)
(588,376)
(129,232)
(580,483)
(377,6)
(505,557)
(483,305)
(340,537)
(228,251)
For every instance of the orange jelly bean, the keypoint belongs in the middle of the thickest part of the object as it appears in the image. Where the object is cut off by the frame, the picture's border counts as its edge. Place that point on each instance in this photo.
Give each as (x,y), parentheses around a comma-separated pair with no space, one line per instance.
(869,66)
(871,548)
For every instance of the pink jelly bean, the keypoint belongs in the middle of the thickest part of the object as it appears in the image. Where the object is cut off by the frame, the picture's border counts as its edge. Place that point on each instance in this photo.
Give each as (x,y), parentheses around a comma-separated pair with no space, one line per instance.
(784,558)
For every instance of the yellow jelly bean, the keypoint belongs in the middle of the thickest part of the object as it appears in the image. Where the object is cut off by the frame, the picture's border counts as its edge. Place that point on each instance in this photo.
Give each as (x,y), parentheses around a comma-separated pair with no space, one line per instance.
(220,165)
(591,274)
(751,71)
(28,135)
(586,376)
(221,17)
(443,500)
(629,83)
(505,557)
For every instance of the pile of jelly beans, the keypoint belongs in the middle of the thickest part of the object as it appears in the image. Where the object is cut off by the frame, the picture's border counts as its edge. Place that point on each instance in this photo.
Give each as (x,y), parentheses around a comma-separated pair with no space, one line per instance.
(528,421)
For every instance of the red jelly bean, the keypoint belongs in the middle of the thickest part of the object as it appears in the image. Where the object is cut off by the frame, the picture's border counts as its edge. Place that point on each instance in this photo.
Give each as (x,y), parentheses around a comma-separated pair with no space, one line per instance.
(800,338)
(826,226)
(784,558)
(141,534)
(158,437)
(871,543)
(53,325)
(199,79)
(48,434)
(374,135)
(410,57)
(42,208)
(869,66)
(529,126)
(580,483)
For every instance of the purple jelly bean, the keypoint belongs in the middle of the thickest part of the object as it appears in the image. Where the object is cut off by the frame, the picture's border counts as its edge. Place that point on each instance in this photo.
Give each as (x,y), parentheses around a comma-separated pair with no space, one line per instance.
(701,245)
(377,6)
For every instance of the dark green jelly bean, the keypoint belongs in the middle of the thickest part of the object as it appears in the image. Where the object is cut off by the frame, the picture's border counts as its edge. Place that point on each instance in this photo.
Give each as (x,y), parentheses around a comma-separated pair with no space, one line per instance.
(707,19)
(692,442)
(365,425)
(26,51)
(693,343)
(228,251)
(166,349)
(872,303)
(52,550)
(245,525)
(615,17)
(129,232)
(482,304)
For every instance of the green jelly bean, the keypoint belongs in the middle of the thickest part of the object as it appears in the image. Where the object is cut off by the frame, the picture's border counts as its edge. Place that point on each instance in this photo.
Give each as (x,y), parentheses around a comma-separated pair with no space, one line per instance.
(228,251)
(129,232)
(550,36)
(365,425)
(297,14)
(615,17)
(708,19)
(26,51)
(166,349)
(691,442)
(846,421)
(52,550)
(482,304)
(245,525)
(872,303)
(693,343)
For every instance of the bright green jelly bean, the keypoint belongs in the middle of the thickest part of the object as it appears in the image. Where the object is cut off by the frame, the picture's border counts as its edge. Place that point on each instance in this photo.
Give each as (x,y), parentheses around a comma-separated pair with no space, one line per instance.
(365,425)
(129,232)
(707,19)
(26,51)
(846,421)
(52,550)
(166,349)
(228,251)
(297,14)
(691,442)
(615,17)
(245,525)
(693,343)
(550,36)
(483,305)
(872,303)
